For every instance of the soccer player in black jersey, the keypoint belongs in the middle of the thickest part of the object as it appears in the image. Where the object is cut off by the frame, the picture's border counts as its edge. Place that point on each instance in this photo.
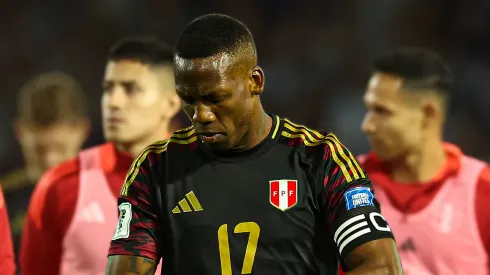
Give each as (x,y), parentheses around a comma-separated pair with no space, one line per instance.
(243,191)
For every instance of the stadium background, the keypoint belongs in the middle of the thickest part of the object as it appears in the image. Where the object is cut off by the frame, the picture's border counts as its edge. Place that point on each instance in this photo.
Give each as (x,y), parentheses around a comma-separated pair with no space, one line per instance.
(316,54)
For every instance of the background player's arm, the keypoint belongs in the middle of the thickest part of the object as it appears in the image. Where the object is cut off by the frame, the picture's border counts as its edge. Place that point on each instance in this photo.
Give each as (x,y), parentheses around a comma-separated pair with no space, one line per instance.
(41,243)
(7,264)
(363,238)
(134,245)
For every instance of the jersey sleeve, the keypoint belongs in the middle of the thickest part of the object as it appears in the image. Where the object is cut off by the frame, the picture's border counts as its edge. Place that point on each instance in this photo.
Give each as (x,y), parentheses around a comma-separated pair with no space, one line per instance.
(50,210)
(482,205)
(7,263)
(138,230)
(352,212)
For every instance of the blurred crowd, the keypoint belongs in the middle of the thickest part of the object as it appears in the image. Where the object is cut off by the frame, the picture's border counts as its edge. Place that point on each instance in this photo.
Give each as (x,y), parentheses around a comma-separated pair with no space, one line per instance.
(316,54)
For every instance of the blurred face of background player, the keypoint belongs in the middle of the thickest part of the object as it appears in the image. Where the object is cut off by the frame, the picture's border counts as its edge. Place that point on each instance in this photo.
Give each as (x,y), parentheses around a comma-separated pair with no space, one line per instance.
(138,103)
(392,125)
(47,146)
(399,122)
(53,124)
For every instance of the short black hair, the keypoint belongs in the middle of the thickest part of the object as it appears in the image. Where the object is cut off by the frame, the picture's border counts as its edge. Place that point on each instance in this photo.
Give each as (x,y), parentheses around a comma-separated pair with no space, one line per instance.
(211,34)
(147,50)
(420,69)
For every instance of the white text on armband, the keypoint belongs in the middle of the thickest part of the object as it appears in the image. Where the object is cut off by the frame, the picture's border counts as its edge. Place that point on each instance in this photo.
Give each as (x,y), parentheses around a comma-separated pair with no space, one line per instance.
(357,227)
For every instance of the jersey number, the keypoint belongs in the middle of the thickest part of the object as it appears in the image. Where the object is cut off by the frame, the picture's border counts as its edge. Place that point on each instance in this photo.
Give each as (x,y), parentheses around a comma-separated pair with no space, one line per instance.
(253,230)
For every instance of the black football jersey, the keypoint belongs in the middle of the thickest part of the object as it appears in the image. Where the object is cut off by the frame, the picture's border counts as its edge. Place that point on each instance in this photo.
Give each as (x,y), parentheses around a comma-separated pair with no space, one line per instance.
(297,203)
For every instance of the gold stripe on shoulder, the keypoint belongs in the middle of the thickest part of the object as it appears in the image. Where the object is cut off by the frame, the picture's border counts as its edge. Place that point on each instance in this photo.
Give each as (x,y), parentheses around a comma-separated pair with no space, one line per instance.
(184,138)
(347,155)
(308,137)
(339,162)
(156,148)
(15,179)
(340,154)
(278,121)
(299,126)
(184,130)
(303,137)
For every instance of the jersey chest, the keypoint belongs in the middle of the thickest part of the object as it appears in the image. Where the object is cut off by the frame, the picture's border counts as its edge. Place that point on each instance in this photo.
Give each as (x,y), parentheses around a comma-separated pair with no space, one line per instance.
(277,193)
(239,214)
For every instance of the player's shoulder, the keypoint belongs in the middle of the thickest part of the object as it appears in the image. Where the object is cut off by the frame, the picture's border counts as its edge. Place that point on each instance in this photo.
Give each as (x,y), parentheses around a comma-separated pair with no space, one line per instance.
(309,139)
(484,178)
(14,179)
(296,135)
(61,172)
(184,138)
(180,141)
(57,182)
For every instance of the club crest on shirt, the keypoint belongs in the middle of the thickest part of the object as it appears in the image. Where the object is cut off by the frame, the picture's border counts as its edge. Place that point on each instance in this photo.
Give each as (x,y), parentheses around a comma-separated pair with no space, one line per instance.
(283,194)
(358,197)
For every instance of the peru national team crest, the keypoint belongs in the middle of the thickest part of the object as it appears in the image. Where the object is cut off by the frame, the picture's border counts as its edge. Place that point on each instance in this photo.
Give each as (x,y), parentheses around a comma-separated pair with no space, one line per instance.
(283,194)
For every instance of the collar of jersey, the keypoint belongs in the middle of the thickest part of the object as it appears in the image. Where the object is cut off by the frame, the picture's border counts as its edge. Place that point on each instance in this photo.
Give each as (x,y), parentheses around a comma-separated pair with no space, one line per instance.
(250,154)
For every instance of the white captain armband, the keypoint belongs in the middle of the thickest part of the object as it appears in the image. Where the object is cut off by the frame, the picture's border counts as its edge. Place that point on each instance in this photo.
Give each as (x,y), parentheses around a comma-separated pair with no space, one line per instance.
(359,226)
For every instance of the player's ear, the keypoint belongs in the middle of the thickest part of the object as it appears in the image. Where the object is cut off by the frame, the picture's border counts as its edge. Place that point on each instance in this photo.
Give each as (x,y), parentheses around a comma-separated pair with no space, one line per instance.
(172,105)
(430,112)
(256,80)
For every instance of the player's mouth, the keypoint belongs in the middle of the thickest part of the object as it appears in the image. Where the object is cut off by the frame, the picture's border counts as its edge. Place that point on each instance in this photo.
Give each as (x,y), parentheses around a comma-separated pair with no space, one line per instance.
(210,137)
(113,120)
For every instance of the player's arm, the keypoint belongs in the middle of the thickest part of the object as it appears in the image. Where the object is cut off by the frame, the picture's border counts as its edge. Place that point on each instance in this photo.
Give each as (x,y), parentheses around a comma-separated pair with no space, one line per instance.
(41,241)
(136,239)
(481,210)
(7,264)
(364,240)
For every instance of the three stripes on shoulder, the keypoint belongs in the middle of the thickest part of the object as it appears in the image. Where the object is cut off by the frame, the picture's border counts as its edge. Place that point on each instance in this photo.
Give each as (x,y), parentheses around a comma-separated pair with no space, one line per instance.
(183,136)
(340,154)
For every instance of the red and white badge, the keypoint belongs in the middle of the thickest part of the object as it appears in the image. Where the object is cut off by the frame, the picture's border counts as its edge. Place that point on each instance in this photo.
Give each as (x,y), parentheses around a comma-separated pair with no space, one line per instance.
(283,194)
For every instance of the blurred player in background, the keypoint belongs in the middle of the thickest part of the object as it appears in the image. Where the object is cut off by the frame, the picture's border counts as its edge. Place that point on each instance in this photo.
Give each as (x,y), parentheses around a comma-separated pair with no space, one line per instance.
(243,191)
(51,126)
(435,198)
(7,262)
(72,213)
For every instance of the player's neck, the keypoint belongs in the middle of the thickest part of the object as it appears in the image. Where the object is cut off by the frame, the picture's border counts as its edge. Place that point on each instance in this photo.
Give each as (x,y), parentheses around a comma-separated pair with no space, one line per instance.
(260,127)
(135,148)
(422,165)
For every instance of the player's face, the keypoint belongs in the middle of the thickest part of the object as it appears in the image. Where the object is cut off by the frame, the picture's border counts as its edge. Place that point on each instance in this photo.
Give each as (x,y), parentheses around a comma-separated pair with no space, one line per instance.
(45,147)
(217,96)
(135,102)
(393,126)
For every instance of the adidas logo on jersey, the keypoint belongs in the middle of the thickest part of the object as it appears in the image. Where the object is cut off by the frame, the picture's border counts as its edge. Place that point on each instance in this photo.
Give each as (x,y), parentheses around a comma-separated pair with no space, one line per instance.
(92,213)
(188,204)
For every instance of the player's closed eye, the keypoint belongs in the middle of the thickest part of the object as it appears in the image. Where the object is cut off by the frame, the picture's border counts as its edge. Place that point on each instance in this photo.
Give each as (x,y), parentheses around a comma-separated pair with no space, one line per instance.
(381,110)
(131,88)
(188,100)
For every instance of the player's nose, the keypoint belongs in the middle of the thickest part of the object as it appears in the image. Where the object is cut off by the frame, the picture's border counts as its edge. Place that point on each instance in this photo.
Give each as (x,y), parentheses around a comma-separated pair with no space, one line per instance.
(367,125)
(203,114)
(116,98)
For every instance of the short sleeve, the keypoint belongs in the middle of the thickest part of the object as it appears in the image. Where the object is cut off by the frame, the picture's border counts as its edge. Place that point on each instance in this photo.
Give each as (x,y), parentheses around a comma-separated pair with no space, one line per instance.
(138,231)
(352,211)
(7,265)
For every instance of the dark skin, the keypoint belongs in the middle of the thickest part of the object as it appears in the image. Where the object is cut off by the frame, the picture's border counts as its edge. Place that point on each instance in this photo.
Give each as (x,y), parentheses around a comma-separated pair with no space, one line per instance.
(130,265)
(220,94)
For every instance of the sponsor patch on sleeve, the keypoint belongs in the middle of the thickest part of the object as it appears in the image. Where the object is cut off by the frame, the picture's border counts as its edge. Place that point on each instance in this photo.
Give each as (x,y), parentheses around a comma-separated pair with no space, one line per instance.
(358,197)
(124,221)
